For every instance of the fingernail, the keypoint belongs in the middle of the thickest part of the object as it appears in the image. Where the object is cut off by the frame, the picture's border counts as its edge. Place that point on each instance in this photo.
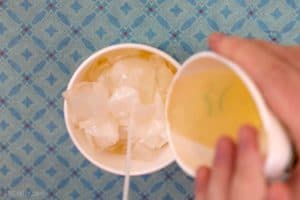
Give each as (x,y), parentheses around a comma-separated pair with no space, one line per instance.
(214,39)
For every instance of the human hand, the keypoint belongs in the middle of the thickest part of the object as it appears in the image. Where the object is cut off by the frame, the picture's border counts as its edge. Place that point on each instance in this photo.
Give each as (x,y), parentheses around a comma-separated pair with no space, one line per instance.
(238,174)
(276,71)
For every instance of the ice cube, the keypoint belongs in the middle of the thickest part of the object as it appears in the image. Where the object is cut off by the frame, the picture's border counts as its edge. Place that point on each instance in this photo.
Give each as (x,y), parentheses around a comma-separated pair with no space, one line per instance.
(163,75)
(142,152)
(104,131)
(105,80)
(148,124)
(157,61)
(156,135)
(90,141)
(122,102)
(137,73)
(123,132)
(140,118)
(86,100)
(96,68)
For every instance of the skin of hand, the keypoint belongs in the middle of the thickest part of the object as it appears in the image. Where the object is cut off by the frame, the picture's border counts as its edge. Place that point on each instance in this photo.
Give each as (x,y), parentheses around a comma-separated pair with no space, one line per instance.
(237,170)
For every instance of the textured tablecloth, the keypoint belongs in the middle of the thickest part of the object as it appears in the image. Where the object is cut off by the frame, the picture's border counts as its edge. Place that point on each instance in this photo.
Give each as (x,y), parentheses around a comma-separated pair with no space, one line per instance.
(43,42)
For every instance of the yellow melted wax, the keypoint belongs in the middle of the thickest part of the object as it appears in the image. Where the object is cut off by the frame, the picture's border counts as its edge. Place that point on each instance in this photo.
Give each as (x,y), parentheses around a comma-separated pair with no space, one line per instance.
(104,63)
(118,148)
(207,104)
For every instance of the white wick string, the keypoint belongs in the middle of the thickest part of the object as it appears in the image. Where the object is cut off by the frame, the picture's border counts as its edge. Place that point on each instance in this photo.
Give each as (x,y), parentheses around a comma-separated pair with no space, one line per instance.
(127,162)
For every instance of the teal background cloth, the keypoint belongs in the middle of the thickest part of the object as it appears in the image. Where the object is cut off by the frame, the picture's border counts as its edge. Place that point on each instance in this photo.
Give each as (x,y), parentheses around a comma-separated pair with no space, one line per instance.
(43,42)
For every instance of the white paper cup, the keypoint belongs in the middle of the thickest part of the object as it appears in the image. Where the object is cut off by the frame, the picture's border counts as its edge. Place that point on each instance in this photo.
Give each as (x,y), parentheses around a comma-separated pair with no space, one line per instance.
(113,163)
(279,150)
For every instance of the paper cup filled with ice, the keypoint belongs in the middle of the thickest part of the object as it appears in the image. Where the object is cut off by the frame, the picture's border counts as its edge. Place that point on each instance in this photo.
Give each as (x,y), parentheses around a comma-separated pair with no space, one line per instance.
(118,95)
(211,96)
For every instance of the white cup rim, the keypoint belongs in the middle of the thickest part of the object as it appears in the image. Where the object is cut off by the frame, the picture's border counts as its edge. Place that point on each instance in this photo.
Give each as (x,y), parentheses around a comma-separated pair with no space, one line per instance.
(77,72)
(279,152)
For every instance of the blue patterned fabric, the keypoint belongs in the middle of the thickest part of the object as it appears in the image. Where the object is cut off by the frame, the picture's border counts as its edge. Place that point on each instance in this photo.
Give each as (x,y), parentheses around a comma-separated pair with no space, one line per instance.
(43,42)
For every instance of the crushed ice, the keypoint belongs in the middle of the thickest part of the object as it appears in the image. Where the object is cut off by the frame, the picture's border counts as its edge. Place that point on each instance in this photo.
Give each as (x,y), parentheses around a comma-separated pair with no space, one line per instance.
(133,88)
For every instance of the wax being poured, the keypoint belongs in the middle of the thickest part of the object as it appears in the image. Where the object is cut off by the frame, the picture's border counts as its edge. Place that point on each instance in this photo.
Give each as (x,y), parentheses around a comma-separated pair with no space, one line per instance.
(215,102)
(118,89)
(208,101)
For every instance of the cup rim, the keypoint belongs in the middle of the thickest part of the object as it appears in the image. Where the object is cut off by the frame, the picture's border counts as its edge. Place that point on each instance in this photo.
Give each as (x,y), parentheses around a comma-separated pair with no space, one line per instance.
(72,81)
(278,151)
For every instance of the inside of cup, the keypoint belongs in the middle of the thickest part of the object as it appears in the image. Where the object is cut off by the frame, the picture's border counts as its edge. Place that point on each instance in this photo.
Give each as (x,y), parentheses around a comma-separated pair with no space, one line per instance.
(89,71)
(190,154)
(116,163)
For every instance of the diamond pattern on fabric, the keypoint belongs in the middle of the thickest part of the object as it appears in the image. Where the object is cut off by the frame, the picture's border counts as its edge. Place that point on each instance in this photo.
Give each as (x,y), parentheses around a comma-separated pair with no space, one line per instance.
(43,42)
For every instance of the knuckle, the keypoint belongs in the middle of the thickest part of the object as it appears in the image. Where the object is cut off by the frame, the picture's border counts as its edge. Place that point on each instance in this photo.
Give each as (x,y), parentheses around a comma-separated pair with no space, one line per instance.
(233,44)
(241,48)
(275,71)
